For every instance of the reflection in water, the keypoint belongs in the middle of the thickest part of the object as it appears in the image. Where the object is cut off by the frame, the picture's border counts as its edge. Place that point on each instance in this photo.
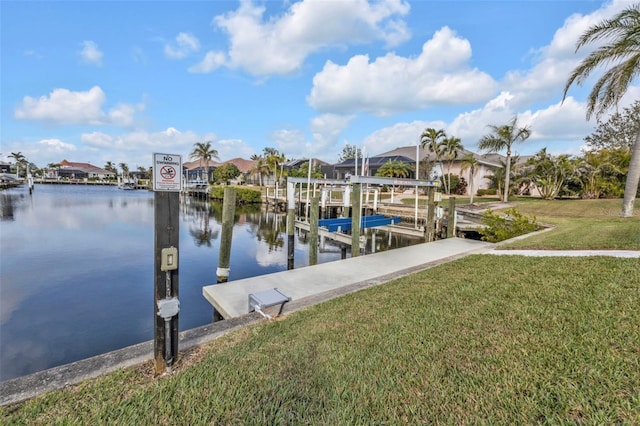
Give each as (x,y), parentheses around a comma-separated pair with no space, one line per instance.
(77,266)
(6,206)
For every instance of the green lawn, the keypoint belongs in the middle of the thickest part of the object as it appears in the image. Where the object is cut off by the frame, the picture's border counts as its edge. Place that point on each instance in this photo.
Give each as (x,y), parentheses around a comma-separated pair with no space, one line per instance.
(482,340)
(581,224)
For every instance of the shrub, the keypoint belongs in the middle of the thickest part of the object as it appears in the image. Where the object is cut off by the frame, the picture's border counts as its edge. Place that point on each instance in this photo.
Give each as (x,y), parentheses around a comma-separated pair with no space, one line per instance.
(490,191)
(511,224)
(243,195)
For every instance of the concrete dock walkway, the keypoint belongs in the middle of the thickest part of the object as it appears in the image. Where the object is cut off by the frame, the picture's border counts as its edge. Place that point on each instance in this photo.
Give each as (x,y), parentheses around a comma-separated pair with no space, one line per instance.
(231,299)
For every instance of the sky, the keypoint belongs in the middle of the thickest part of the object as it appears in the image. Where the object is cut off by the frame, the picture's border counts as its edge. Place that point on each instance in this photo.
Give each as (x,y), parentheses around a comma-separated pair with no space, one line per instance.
(97,81)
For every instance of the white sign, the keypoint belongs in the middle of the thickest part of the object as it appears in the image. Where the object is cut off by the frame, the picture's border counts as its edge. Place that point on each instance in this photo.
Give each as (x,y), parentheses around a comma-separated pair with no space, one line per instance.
(167,172)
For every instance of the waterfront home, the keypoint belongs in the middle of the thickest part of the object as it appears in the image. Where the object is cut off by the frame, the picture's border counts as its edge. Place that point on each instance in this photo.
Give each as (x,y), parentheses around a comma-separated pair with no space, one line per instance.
(73,170)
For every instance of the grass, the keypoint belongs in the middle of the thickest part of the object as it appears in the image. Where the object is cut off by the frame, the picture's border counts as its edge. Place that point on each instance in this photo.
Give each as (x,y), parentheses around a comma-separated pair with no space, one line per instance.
(580,224)
(482,340)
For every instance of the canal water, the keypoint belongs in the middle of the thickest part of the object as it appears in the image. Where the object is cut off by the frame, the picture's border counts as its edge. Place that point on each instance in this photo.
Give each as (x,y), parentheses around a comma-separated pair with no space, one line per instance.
(76,268)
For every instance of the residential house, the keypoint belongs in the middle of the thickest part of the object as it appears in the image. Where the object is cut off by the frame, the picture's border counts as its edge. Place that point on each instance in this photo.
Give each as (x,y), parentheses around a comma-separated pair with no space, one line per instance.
(486,165)
(407,154)
(368,166)
(72,170)
(198,170)
(195,170)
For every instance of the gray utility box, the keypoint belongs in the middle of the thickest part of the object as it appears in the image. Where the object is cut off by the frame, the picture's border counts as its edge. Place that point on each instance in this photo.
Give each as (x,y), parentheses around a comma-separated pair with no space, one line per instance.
(266,299)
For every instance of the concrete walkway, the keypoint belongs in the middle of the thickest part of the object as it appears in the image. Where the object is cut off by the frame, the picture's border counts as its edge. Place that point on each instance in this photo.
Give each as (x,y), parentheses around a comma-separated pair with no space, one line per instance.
(232,299)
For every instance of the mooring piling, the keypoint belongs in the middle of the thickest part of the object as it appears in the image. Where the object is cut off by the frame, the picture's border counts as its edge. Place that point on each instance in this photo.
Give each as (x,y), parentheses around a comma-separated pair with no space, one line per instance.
(228,212)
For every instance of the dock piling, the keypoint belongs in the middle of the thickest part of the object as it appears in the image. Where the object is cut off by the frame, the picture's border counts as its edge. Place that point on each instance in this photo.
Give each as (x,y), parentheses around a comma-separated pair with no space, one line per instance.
(228,211)
(356,204)
(291,222)
(313,232)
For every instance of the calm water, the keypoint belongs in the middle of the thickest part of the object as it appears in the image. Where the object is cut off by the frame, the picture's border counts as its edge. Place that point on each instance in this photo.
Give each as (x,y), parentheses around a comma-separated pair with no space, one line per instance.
(76,268)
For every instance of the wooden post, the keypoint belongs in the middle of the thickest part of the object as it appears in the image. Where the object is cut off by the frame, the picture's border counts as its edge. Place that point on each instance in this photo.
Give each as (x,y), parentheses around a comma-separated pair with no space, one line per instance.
(228,212)
(313,232)
(355,219)
(431,207)
(451,218)
(167,234)
(291,223)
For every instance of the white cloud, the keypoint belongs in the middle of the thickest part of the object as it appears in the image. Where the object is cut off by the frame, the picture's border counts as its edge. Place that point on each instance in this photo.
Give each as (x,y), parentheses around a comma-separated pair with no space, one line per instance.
(291,142)
(171,140)
(561,127)
(554,62)
(280,45)
(564,121)
(233,148)
(97,139)
(326,130)
(185,44)
(142,140)
(400,134)
(63,106)
(90,53)
(440,75)
(56,145)
(212,60)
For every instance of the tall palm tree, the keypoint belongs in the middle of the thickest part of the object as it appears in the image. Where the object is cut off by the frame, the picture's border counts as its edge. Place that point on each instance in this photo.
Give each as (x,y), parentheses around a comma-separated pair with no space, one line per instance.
(503,137)
(621,50)
(469,161)
(21,160)
(449,148)
(431,139)
(204,152)
(125,170)
(259,167)
(273,158)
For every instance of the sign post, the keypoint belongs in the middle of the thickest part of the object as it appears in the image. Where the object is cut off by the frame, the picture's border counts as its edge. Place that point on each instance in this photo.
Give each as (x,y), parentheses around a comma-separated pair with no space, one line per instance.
(167,183)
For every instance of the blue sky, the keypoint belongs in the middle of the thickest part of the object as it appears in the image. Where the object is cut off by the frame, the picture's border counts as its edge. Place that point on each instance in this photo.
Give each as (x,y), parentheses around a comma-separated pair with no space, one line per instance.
(99,81)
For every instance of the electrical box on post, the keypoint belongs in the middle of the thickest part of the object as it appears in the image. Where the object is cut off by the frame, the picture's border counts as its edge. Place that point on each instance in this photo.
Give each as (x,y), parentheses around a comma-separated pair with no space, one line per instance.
(168,308)
(169,259)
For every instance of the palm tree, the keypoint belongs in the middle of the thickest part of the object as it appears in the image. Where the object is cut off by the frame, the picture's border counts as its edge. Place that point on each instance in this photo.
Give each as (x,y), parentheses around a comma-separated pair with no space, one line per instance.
(204,152)
(273,158)
(549,173)
(394,168)
(431,139)
(20,160)
(142,170)
(258,167)
(125,170)
(622,48)
(449,148)
(469,161)
(503,137)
